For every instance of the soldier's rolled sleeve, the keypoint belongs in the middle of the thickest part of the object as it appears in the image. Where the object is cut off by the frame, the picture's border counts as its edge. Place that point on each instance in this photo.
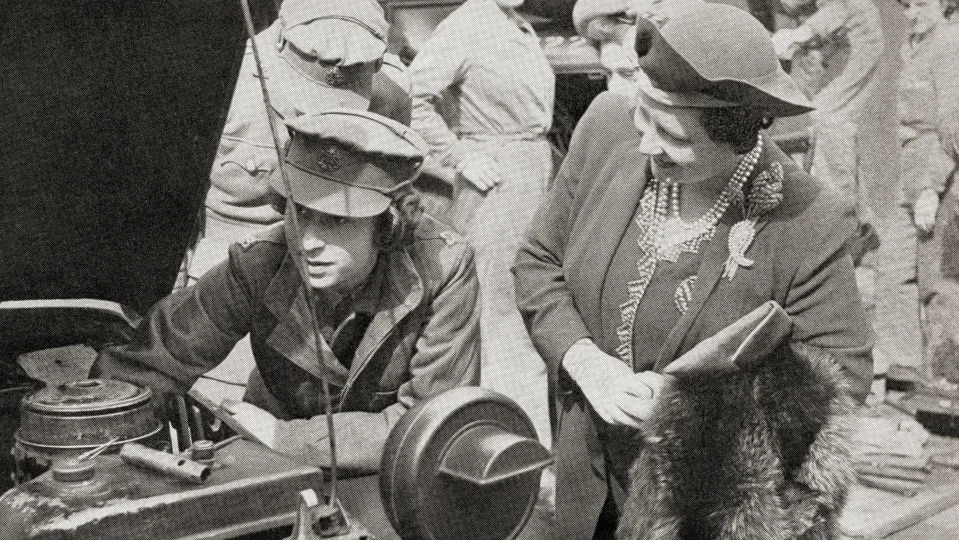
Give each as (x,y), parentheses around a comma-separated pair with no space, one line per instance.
(945,77)
(441,64)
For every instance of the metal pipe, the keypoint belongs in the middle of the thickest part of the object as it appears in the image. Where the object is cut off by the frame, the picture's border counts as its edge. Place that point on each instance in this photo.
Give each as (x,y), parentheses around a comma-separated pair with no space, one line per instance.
(161,462)
(297,251)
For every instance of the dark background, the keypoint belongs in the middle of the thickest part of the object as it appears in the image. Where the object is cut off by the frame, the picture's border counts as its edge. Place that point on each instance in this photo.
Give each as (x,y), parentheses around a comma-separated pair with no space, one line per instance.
(111,114)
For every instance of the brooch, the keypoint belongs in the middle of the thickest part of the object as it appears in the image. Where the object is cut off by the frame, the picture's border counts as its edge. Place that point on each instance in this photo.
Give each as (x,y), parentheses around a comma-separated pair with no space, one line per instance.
(764,193)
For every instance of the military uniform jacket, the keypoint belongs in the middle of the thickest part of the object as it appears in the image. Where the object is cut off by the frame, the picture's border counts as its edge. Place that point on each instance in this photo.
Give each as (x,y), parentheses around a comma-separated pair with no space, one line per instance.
(422,340)
(800,261)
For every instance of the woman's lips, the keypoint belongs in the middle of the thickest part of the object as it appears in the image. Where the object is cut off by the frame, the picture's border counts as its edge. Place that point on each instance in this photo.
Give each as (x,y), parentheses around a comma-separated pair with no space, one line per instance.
(663,162)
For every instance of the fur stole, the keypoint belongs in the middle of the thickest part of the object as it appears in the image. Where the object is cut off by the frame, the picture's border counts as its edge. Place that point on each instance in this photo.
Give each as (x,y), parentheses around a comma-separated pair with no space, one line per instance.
(760,455)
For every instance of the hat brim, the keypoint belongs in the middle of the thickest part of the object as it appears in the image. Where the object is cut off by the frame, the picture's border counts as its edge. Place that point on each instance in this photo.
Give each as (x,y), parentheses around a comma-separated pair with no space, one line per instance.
(678,60)
(328,196)
(777,94)
(308,96)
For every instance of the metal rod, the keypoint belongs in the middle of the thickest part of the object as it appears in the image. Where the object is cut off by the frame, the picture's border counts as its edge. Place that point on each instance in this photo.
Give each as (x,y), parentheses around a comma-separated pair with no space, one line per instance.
(297,252)
(89,454)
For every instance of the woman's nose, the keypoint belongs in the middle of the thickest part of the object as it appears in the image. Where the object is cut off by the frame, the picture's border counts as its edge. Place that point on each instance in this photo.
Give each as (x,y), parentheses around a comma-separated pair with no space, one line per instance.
(649,143)
(311,240)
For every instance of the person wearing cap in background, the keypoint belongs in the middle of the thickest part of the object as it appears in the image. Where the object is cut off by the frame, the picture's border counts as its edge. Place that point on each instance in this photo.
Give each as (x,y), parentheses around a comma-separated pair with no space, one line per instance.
(672,216)
(483,99)
(396,298)
(318,54)
(916,322)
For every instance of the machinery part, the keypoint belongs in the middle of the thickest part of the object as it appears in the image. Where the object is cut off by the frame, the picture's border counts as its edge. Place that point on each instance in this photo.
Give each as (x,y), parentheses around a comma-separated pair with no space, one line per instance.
(72,419)
(315,521)
(465,464)
(256,493)
(203,451)
(307,504)
(164,463)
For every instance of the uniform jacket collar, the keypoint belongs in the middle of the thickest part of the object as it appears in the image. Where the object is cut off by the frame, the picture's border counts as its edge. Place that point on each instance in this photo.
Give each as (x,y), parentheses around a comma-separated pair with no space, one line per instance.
(285,298)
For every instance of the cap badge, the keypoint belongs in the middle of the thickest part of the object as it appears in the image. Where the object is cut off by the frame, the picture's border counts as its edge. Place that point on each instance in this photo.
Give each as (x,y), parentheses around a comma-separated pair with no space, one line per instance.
(335,77)
(329,159)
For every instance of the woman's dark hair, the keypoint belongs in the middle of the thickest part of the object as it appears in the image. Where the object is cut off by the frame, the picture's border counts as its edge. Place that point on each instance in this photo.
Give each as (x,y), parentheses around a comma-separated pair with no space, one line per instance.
(737,126)
(396,226)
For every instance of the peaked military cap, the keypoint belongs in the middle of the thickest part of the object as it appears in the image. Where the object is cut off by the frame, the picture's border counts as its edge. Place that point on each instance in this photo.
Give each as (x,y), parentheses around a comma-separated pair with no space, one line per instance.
(702,54)
(339,32)
(348,162)
(323,46)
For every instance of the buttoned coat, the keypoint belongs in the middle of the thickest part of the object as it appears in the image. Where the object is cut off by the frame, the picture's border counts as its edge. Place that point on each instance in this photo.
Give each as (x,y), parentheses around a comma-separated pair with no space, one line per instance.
(422,340)
(800,257)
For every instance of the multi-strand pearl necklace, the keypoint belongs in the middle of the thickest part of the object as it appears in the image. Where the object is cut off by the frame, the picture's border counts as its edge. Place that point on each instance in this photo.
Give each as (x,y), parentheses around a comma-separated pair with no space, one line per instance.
(665,239)
(671,235)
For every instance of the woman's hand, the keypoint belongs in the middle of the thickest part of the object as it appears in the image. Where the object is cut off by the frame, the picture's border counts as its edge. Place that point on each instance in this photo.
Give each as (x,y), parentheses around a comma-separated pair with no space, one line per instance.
(924,210)
(619,396)
(257,421)
(480,170)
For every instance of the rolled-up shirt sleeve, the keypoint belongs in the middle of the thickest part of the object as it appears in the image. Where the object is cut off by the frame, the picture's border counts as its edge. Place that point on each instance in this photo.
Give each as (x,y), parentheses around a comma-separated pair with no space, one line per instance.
(438,66)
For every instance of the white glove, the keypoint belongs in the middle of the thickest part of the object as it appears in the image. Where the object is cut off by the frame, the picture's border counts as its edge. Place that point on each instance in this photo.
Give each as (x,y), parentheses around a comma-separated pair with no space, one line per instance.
(480,170)
(619,396)
(924,210)
(257,421)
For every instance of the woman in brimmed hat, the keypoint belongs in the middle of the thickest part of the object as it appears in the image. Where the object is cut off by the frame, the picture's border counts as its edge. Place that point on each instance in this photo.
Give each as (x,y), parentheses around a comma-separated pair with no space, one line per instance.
(672,217)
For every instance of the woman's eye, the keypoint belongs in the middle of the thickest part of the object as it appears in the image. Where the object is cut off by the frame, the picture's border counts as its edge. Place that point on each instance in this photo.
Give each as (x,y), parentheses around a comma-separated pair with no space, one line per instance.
(672,137)
(338,221)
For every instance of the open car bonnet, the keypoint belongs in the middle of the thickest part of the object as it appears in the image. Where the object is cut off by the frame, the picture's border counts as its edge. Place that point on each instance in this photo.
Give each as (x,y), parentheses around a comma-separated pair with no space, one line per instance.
(112,113)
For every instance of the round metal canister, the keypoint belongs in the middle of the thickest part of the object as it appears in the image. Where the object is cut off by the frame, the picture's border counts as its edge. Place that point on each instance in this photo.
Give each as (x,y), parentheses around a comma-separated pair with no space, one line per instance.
(68,420)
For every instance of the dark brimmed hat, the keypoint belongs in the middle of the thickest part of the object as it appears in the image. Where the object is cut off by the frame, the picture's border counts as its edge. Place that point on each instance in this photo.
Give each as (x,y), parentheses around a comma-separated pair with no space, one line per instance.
(348,162)
(713,55)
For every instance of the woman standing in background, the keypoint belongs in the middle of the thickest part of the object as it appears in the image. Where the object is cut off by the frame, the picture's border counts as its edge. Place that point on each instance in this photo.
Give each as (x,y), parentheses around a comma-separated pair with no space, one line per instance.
(483,99)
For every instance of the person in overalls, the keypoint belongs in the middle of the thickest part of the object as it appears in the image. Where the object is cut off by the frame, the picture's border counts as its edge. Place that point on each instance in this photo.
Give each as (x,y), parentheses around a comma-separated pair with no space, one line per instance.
(483,100)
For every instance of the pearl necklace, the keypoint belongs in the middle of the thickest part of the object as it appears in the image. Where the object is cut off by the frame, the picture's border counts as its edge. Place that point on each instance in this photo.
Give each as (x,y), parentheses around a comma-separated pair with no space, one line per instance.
(671,235)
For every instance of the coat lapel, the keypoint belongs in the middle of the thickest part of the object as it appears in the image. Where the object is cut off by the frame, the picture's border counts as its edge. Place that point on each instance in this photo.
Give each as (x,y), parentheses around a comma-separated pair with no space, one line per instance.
(292,336)
(402,292)
(710,270)
(627,185)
